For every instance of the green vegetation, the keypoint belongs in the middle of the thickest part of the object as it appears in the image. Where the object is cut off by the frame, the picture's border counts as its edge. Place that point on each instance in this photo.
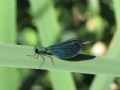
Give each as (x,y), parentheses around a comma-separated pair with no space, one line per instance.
(44,23)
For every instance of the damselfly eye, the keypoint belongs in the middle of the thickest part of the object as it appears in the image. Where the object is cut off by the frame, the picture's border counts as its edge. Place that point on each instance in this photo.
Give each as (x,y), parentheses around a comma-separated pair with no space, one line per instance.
(36,50)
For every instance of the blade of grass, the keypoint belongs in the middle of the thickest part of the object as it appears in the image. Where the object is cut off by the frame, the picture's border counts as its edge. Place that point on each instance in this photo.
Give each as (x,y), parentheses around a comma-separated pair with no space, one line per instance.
(16,56)
(46,21)
(113,51)
(94,6)
(8,76)
(58,80)
(49,31)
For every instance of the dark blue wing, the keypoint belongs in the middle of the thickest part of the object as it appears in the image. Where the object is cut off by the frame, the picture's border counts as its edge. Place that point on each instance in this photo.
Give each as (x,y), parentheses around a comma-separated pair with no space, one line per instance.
(69,42)
(67,49)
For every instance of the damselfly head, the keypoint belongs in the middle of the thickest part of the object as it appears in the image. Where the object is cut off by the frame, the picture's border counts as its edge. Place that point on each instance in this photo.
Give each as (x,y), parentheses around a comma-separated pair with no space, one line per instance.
(36,49)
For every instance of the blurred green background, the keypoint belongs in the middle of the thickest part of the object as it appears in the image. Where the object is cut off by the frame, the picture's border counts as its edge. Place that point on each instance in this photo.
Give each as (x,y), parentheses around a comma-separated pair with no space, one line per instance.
(45,22)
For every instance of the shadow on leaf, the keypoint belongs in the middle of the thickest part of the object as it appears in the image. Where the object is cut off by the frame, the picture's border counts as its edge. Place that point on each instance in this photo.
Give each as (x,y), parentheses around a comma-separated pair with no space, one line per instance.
(81,57)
